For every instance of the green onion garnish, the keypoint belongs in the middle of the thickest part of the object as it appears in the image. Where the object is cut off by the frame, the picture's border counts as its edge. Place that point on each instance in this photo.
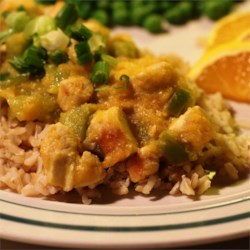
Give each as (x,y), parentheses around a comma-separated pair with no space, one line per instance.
(59,57)
(83,53)
(97,43)
(126,81)
(67,15)
(80,32)
(100,73)
(19,64)
(112,61)
(32,61)
(35,56)
(40,26)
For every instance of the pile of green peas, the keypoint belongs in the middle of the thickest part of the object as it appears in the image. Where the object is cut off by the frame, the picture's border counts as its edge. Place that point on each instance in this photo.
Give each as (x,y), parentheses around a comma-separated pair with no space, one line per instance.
(151,14)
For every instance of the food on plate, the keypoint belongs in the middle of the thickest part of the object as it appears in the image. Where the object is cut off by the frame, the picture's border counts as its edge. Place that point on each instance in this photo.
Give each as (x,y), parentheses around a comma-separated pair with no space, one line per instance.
(83,109)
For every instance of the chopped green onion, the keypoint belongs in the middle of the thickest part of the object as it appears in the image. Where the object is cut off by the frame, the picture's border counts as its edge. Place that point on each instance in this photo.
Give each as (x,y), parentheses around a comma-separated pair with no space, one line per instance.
(17,20)
(54,40)
(35,56)
(19,64)
(31,62)
(126,80)
(179,102)
(39,25)
(83,53)
(59,57)
(67,15)
(112,61)
(97,43)
(80,32)
(100,73)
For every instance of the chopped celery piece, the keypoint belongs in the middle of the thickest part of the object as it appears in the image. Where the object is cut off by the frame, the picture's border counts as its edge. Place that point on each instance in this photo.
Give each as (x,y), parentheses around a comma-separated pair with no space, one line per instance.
(77,119)
(172,149)
(178,102)
(17,20)
(13,81)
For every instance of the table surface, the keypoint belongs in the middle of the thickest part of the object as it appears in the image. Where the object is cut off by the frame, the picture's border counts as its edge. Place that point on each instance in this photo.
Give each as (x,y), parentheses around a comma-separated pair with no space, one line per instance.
(241,243)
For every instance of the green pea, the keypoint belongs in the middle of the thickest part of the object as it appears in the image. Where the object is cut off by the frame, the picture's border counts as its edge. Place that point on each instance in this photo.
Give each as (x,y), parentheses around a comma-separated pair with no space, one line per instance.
(103,4)
(180,13)
(216,9)
(115,5)
(153,23)
(138,14)
(101,16)
(120,16)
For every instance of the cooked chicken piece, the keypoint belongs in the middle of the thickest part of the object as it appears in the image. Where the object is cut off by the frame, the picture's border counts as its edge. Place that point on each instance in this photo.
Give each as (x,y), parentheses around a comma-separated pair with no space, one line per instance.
(155,77)
(74,91)
(63,165)
(193,128)
(110,134)
(143,164)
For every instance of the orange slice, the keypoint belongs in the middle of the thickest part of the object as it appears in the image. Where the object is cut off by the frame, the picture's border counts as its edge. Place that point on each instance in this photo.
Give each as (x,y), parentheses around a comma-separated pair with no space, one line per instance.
(229,28)
(226,69)
(245,36)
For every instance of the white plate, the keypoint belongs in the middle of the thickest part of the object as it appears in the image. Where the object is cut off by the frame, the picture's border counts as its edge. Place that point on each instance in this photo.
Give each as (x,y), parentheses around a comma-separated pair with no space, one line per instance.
(135,221)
